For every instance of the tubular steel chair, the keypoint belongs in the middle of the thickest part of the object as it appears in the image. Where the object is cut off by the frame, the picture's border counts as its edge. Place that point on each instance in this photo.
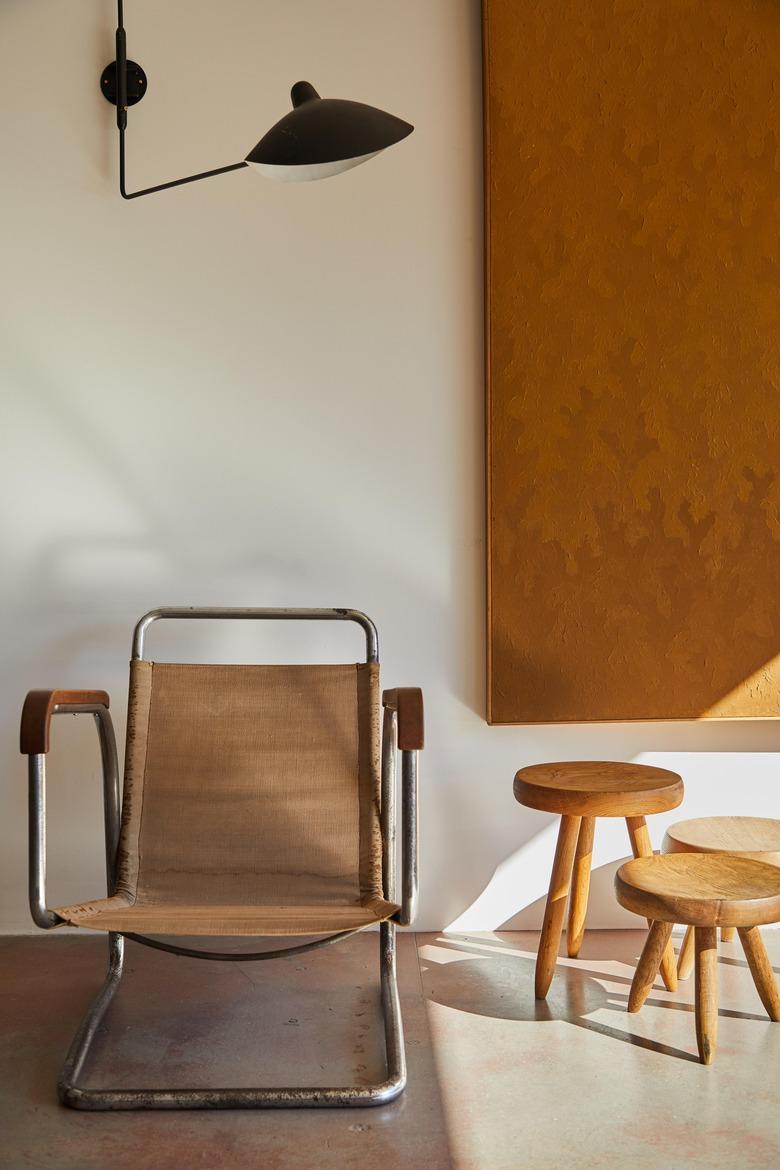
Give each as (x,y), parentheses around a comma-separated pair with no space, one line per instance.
(258,802)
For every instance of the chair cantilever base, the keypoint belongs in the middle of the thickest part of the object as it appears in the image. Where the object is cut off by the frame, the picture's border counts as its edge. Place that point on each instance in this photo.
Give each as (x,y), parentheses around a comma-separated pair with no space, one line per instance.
(34,743)
(75,1096)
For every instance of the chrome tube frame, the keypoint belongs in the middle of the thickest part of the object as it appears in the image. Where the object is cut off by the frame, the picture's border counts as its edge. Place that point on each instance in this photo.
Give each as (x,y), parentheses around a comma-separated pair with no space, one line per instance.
(36,821)
(41,915)
(243,614)
(410,839)
(388,803)
(409,822)
(78,1097)
(240,956)
(348,1096)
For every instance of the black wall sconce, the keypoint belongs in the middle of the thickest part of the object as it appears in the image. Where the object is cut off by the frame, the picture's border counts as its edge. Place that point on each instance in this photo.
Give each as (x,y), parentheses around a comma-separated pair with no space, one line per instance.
(318,138)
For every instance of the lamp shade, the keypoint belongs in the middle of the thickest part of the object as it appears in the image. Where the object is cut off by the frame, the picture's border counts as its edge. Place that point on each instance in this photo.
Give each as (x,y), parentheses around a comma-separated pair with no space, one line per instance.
(324,136)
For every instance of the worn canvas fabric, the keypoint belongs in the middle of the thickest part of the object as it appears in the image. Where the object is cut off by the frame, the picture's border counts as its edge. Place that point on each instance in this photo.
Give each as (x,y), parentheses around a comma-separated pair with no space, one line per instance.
(251,803)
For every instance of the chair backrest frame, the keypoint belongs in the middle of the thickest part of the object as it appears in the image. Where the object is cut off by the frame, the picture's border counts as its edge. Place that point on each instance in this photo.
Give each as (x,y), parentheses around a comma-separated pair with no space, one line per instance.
(252,614)
(387,794)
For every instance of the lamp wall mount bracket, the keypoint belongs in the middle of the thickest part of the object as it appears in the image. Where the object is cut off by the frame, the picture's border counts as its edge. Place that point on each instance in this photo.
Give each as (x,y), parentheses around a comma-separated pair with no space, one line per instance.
(136,83)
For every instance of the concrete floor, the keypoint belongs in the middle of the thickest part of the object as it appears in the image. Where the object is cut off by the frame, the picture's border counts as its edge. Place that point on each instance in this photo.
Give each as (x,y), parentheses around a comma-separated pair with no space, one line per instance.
(496,1081)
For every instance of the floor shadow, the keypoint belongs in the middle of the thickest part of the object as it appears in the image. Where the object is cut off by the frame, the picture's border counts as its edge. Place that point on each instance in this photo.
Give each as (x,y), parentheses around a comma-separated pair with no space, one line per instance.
(497,982)
(740,963)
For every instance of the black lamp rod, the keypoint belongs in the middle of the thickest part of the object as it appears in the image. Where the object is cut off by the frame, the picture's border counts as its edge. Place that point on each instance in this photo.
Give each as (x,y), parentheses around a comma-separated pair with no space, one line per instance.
(121,121)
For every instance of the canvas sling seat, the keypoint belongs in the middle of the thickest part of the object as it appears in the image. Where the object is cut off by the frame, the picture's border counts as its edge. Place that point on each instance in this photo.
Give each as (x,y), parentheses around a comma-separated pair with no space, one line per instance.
(251,803)
(257,801)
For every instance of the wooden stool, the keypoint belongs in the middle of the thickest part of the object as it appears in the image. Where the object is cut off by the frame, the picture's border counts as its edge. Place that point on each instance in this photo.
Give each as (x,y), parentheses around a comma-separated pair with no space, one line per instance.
(704,891)
(580,792)
(756,837)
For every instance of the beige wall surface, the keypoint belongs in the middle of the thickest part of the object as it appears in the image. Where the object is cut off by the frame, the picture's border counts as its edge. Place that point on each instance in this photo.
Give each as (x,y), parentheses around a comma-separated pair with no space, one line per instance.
(249,394)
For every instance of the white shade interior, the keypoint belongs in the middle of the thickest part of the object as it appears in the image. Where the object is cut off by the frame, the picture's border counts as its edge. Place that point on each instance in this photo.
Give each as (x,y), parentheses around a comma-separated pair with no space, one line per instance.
(306,172)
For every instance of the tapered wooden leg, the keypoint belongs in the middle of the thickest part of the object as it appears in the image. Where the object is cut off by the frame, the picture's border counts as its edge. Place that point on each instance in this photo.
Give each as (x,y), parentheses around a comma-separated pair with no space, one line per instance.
(649,962)
(641,846)
(556,903)
(685,957)
(706,943)
(727,933)
(580,885)
(761,970)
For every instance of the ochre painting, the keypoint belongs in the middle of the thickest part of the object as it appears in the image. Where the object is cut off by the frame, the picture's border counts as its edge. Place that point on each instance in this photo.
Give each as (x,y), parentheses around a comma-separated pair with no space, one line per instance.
(633,337)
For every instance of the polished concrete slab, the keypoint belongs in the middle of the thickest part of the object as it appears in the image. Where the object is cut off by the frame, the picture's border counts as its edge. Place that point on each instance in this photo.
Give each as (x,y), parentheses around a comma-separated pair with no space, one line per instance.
(575,1080)
(496,1080)
(309,1019)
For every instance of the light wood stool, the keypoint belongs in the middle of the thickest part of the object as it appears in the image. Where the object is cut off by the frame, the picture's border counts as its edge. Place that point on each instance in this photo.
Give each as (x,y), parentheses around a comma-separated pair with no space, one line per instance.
(581,792)
(704,891)
(756,837)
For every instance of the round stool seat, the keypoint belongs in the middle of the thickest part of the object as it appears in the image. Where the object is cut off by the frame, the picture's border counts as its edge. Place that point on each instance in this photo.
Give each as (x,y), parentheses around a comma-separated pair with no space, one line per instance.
(756,837)
(598,788)
(701,889)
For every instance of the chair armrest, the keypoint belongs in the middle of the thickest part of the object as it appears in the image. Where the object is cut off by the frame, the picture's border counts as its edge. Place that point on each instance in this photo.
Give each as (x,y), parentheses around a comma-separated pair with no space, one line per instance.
(407,702)
(37,712)
(39,706)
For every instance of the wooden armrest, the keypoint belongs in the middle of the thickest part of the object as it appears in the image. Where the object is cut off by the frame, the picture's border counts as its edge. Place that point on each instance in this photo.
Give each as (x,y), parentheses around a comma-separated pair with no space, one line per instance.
(37,712)
(408,703)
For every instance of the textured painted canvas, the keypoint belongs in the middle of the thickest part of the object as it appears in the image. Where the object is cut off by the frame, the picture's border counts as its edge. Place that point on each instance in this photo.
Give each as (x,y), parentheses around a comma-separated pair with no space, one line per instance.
(633,338)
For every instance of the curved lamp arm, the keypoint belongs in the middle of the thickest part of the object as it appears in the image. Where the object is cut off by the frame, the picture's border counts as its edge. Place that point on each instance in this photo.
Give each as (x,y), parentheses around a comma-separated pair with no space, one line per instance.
(121,121)
(404,726)
(39,706)
(164,186)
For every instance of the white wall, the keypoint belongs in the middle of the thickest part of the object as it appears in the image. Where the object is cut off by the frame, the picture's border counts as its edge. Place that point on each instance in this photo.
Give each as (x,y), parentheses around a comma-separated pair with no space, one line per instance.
(243,393)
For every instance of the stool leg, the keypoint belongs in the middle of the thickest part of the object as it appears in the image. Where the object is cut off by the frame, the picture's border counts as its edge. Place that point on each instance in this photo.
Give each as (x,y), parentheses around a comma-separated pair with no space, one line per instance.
(640,844)
(727,933)
(580,885)
(706,991)
(556,904)
(761,970)
(649,962)
(685,957)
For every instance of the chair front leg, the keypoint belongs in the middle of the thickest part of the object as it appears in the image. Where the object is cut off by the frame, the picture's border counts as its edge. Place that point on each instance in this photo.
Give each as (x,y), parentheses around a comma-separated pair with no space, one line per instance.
(686,956)
(706,991)
(649,962)
(556,904)
(641,846)
(761,970)
(580,887)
